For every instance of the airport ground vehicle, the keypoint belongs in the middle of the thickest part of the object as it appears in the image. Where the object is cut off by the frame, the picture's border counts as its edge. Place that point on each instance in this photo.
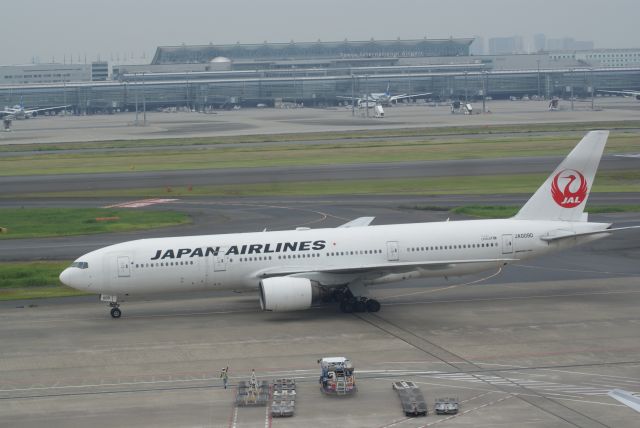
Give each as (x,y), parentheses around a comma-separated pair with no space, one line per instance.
(447,406)
(283,397)
(413,402)
(337,376)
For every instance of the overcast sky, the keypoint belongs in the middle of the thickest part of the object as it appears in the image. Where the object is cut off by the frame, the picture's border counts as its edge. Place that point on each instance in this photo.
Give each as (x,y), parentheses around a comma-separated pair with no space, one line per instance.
(48,29)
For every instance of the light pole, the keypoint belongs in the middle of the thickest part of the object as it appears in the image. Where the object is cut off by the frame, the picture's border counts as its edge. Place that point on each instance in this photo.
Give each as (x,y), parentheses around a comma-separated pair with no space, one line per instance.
(144,104)
(135,75)
(353,96)
(484,91)
(465,88)
(538,61)
(571,83)
(366,96)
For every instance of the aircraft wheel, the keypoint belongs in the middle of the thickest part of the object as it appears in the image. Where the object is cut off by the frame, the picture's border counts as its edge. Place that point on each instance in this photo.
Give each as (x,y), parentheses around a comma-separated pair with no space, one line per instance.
(373,305)
(116,313)
(360,306)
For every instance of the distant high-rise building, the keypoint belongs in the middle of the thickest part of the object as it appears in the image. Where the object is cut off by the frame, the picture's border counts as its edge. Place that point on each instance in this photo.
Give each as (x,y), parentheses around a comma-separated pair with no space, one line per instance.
(505,45)
(569,44)
(477,46)
(539,42)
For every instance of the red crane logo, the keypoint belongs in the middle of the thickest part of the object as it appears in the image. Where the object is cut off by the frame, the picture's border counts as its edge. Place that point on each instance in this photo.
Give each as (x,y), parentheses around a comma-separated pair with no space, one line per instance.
(568,198)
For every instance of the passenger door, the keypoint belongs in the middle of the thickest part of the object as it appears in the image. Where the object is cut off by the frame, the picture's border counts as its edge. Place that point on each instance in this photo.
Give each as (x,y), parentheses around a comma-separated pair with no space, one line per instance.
(124,268)
(393,251)
(507,244)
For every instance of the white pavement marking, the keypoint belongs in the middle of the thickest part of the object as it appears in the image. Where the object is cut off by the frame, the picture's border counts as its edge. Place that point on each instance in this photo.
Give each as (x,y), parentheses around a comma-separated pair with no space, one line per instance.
(629,155)
(234,421)
(468,411)
(141,203)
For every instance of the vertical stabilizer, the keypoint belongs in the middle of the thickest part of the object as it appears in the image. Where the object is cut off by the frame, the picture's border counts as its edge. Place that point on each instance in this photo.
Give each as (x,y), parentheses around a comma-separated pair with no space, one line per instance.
(564,195)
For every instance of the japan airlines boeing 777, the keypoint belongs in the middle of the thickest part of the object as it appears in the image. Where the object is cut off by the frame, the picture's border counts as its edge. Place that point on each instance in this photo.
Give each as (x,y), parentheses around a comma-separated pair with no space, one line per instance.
(292,269)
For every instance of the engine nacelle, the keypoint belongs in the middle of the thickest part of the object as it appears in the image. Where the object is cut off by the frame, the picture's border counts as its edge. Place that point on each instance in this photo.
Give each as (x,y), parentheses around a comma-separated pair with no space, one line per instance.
(287,293)
(638,97)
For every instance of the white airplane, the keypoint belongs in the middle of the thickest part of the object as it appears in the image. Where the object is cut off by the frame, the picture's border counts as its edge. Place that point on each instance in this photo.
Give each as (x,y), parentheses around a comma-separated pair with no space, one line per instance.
(382,98)
(635,94)
(20,112)
(292,269)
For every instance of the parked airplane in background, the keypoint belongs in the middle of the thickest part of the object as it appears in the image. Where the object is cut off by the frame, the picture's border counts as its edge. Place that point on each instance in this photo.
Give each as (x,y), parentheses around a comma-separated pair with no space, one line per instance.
(20,112)
(635,94)
(292,269)
(382,98)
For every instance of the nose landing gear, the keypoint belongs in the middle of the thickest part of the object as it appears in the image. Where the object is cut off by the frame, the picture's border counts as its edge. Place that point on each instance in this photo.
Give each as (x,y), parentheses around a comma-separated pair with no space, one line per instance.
(115,310)
(113,303)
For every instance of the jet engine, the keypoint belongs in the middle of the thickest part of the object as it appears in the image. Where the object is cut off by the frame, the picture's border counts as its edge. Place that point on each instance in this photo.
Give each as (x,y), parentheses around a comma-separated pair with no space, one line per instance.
(288,293)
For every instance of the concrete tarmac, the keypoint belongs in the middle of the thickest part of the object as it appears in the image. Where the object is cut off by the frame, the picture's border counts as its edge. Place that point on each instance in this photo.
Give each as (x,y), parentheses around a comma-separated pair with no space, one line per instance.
(540,354)
(122,126)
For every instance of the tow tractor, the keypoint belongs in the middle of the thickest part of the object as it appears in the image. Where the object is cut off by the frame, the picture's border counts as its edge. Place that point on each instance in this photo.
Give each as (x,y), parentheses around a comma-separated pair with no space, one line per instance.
(447,406)
(337,376)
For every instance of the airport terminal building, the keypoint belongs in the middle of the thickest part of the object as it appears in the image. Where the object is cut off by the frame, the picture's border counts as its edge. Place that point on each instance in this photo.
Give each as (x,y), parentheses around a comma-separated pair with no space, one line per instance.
(319,73)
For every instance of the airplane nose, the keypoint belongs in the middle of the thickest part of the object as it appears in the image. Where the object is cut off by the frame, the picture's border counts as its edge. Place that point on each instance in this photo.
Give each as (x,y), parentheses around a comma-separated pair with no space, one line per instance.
(71,278)
(65,277)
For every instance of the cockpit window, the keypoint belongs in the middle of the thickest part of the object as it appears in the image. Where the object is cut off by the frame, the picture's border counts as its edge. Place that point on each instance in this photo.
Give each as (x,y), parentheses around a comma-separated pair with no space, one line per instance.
(80,265)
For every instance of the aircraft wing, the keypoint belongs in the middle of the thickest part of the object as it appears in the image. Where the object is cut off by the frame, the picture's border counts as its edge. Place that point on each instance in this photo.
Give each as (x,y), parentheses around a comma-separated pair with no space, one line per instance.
(37,110)
(7,112)
(359,222)
(629,93)
(403,96)
(379,269)
(626,398)
(356,99)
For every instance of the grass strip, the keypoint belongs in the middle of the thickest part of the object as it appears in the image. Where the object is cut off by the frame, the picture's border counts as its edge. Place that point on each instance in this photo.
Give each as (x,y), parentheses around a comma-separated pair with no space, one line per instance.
(432,148)
(330,135)
(51,222)
(31,280)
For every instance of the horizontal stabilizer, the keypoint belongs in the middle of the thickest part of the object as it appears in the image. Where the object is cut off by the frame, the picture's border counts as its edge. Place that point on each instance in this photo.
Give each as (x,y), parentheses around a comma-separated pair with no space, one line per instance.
(564,234)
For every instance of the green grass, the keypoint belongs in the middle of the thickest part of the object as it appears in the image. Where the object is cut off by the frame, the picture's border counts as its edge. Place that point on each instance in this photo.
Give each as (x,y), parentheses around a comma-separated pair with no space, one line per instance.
(429,147)
(319,136)
(49,222)
(30,280)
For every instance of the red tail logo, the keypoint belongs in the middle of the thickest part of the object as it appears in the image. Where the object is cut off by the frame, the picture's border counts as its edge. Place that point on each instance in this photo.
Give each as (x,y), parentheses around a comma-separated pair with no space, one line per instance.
(568,198)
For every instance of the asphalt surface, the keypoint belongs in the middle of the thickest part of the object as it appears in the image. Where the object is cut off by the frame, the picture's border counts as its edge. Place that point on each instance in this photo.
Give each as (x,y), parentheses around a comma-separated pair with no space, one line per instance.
(20,185)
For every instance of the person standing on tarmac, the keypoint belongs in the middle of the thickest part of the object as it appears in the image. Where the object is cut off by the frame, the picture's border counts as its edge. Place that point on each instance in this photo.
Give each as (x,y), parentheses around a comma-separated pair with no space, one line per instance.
(224,374)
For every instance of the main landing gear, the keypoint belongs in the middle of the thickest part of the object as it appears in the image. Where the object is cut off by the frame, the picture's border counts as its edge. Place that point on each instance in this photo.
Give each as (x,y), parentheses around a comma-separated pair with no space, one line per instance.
(350,303)
(359,304)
